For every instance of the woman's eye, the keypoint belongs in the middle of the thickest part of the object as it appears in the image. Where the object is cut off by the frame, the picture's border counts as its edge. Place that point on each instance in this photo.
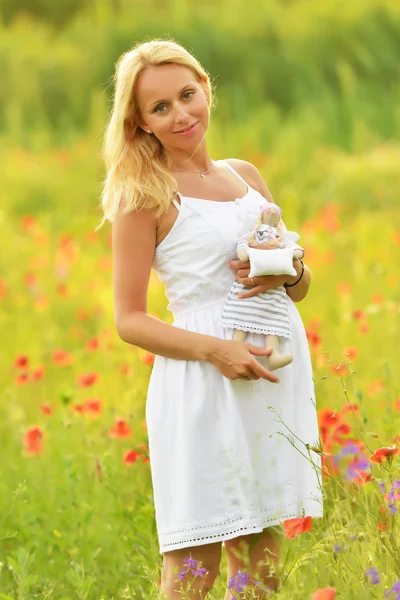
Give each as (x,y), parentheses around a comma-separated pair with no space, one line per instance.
(164,106)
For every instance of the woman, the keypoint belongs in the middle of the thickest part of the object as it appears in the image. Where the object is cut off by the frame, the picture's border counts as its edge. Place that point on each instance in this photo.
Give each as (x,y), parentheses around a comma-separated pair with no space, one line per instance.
(222,471)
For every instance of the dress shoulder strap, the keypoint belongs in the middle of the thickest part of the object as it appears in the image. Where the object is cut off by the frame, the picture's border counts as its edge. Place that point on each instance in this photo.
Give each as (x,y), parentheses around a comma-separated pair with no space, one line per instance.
(232,170)
(176,204)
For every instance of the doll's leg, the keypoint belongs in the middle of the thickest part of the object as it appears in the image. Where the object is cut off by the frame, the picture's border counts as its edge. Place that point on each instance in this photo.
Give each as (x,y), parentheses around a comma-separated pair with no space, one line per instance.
(276,360)
(239,336)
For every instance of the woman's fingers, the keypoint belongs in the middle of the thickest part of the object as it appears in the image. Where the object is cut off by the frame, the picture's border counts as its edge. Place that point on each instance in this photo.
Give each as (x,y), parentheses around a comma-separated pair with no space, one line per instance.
(266,282)
(239,264)
(264,373)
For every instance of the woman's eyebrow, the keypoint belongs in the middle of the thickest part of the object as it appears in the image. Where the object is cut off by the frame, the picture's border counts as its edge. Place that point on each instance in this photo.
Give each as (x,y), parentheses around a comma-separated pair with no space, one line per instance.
(163,100)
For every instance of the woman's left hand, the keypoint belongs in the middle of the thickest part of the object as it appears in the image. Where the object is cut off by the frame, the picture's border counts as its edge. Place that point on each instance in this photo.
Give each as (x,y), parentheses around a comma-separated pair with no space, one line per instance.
(261,283)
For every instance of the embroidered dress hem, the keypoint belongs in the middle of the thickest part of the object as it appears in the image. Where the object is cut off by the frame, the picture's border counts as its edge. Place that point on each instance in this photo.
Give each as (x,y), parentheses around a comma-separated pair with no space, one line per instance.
(199,534)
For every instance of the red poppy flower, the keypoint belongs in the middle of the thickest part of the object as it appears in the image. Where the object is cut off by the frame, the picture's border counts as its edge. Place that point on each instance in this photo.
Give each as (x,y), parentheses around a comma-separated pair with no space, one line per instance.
(130,457)
(340,369)
(375,386)
(362,478)
(21,362)
(350,408)
(147,358)
(377,299)
(87,379)
(33,441)
(314,338)
(28,223)
(124,369)
(384,523)
(46,409)
(61,357)
(120,430)
(92,407)
(343,288)
(38,373)
(30,280)
(350,352)
(293,527)
(82,315)
(22,378)
(92,344)
(358,314)
(332,428)
(3,288)
(324,594)
(62,289)
(384,453)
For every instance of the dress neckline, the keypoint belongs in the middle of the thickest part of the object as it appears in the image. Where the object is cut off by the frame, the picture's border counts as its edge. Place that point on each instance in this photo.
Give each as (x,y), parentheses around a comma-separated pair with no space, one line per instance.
(232,170)
(216,201)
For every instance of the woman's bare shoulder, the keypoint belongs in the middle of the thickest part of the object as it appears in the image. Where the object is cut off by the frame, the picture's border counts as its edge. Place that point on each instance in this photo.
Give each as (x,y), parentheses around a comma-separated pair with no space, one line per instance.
(251,174)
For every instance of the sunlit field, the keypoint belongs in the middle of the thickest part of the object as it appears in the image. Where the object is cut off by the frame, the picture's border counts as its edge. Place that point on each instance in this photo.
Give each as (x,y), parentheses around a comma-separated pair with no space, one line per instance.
(76,509)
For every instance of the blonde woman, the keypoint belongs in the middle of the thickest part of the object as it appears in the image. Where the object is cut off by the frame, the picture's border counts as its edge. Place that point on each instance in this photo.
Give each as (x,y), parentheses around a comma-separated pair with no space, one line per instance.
(222,472)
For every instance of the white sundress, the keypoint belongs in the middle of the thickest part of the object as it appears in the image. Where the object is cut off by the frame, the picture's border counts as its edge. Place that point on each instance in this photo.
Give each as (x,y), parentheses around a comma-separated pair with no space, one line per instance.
(223,453)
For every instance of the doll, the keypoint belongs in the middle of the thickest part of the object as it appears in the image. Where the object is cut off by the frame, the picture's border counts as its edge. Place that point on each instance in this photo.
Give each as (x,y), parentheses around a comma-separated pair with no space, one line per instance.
(270,250)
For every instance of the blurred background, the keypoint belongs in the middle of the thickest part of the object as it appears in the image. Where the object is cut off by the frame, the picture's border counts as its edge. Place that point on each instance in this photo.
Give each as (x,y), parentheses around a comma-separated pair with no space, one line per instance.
(308,91)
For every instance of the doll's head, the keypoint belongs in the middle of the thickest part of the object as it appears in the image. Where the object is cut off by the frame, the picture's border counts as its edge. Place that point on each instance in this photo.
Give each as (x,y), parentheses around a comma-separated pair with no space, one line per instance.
(270,214)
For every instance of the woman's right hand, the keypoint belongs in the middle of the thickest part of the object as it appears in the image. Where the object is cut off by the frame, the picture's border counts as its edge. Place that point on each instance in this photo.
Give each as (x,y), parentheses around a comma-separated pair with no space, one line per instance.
(236,360)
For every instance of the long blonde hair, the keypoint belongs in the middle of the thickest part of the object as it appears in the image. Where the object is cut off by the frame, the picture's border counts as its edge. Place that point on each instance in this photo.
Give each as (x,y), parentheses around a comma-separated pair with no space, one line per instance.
(137,166)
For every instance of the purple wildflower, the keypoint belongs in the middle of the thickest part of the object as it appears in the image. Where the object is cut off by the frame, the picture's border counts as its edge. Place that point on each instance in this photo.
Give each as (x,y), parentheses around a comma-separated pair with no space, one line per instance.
(350,449)
(382,487)
(192,564)
(361,463)
(238,581)
(395,590)
(374,574)
(393,496)
(337,548)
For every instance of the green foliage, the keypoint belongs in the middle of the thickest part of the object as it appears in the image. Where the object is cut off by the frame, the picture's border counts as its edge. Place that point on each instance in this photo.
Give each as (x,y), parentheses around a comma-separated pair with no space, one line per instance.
(309,92)
(333,58)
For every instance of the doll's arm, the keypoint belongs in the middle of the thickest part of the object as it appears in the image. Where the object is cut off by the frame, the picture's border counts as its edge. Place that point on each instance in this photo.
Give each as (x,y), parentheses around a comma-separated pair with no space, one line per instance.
(242,247)
(298,251)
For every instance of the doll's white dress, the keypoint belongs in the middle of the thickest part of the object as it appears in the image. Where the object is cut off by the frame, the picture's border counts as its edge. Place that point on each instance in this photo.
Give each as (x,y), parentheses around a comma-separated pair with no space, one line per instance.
(223,453)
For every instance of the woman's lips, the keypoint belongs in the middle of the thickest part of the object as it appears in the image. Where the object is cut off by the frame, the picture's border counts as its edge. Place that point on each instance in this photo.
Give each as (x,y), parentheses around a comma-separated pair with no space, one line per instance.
(189,131)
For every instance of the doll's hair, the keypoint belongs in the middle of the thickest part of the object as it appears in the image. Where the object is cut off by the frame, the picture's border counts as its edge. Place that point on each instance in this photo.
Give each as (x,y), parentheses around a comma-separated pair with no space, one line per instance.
(138,168)
(279,225)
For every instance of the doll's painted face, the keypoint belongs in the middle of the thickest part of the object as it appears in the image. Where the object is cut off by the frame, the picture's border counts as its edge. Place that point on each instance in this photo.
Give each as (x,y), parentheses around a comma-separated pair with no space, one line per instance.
(270,215)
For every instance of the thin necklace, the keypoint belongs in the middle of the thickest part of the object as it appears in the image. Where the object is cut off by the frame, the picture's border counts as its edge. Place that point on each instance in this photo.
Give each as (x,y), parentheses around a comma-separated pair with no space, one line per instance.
(202,173)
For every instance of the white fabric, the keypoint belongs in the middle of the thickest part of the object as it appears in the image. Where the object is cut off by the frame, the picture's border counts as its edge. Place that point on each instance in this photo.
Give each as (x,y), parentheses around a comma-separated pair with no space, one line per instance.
(271,262)
(219,466)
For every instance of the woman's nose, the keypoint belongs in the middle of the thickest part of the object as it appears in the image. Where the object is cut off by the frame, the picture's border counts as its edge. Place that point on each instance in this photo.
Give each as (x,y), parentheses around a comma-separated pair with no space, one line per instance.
(180,113)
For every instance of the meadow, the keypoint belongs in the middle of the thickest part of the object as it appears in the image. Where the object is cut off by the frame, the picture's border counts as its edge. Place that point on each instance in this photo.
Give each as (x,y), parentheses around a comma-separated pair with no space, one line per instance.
(315,106)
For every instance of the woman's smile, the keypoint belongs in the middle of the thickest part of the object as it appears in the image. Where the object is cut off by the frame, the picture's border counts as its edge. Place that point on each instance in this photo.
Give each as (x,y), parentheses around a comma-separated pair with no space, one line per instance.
(189,130)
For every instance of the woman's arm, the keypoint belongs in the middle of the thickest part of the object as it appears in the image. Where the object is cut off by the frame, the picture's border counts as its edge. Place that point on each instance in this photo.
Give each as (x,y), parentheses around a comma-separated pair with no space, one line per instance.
(134,241)
(300,290)
(251,174)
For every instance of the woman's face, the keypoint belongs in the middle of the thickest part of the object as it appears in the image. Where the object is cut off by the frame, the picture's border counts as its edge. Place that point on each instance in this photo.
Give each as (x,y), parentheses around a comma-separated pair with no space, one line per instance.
(171,99)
